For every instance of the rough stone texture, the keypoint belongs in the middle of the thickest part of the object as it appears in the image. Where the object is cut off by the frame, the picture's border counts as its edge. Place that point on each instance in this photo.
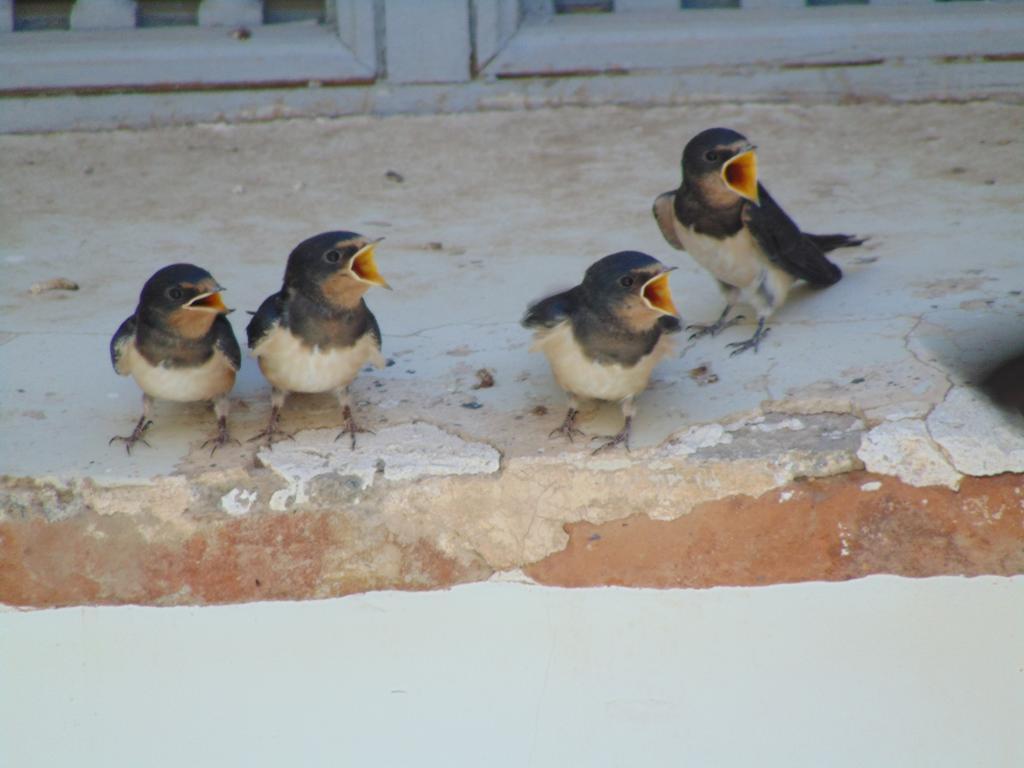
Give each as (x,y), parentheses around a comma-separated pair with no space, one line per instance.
(112,559)
(830,530)
(834,528)
(979,437)
(906,449)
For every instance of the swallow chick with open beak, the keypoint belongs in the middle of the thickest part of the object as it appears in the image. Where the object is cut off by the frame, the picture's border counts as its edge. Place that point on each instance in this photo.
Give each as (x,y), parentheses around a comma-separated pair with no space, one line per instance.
(179,346)
(726,220)
(604,337)
(317,332)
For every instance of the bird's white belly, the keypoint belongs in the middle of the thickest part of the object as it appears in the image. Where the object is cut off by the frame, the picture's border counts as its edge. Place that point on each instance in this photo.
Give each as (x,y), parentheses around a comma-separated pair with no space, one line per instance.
(291,366)
(209,381)
(578,374)
(736,260)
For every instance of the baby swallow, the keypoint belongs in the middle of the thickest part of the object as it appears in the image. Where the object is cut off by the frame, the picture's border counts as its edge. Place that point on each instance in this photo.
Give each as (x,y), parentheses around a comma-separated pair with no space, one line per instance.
(179,346)
(317,332)
(726,220)
(604,337)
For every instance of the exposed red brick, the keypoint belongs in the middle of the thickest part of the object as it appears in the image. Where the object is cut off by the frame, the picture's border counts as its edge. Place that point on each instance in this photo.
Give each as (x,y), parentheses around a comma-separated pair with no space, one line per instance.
(816,530)
(92,559)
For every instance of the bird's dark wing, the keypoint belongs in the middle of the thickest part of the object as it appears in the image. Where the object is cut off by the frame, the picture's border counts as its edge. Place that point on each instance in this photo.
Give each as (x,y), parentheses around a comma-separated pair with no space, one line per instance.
(266,317)
(224,339)
(119,343)
(373,328)
(785,245)
(665,214)
(549,312)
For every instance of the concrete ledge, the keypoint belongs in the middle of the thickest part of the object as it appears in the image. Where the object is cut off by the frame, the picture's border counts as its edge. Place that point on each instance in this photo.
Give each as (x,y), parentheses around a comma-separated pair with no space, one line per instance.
(882,372)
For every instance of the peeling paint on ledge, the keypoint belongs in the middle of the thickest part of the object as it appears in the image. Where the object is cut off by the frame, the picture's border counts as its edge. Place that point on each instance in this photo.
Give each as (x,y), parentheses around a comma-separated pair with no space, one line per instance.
(399,454)
(827,529)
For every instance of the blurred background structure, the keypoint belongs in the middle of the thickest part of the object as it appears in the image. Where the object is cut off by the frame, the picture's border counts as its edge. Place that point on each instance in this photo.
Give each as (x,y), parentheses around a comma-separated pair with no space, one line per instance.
(104,63)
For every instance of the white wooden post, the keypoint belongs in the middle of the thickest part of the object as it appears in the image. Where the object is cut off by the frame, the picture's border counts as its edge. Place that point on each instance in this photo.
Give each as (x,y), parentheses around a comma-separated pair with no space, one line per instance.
(427,42)
(494,24)
(357,28)
(624,6)
(901,2)
(230,13)
(772,3)
(103,14)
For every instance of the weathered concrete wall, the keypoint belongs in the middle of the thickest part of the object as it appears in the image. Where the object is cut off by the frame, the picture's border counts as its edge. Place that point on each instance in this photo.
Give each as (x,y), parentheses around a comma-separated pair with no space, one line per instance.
(845,675)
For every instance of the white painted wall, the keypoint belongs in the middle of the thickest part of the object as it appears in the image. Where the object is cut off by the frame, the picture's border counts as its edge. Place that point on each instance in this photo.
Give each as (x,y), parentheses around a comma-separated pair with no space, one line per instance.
(878,672)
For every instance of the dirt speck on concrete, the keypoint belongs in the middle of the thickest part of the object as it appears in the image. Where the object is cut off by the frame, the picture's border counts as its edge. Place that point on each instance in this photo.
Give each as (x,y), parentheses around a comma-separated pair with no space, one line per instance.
(485,379)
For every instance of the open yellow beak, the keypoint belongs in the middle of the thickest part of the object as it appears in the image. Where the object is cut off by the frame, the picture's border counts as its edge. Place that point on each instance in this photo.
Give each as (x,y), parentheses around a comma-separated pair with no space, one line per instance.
(658,296)
(211,301)
(365,268)
(740,175)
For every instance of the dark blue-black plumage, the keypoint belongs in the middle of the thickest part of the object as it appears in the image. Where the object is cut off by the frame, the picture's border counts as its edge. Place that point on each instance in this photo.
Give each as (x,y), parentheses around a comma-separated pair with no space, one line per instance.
(178,344)
(604,336)
(707,209)
(317,331)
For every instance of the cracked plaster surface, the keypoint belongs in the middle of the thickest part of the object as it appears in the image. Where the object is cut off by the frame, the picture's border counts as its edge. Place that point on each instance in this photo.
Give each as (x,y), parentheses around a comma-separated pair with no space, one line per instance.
(978,437)
(402,453)
(904,448)
(875,370)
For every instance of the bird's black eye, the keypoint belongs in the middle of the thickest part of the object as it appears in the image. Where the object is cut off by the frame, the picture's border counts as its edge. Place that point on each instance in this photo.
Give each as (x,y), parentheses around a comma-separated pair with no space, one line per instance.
(626,281)
(175,293)
(711,156)
(332,256)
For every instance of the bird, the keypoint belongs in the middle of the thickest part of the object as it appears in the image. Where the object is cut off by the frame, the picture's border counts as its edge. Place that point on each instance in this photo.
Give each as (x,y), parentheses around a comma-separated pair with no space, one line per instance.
(603,337)
(724,217)
(317,332)
(178,346)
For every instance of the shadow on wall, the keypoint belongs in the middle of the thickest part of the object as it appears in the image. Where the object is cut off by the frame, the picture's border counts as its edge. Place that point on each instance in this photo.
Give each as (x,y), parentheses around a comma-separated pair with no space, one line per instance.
(1004,382)
(982,352)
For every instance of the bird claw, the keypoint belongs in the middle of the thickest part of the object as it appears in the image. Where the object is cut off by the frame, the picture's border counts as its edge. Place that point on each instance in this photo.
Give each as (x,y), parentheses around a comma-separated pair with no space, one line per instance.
(135,437)
(752,343)
(711,330)
(567,427)
(569,431)
(621,438)
(219,440)
(351,428)
(270,433)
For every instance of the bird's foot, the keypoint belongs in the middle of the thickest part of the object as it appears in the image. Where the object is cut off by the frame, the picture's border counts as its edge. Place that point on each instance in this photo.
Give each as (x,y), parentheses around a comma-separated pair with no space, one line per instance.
(714,329)
(752,343)
(270,435)
(620,439)
(351,428)
(222,437)
(272,432)
(567,427)
(135,437)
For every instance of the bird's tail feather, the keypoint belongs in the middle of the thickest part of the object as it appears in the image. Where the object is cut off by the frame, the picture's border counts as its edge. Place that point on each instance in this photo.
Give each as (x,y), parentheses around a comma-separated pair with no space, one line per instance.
(830,242)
